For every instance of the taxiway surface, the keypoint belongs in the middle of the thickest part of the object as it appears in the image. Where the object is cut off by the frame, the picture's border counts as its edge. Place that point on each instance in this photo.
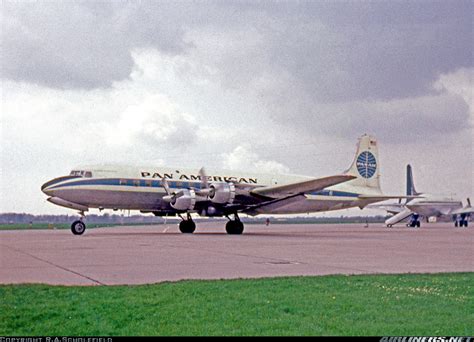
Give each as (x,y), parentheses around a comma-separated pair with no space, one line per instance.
(151,254)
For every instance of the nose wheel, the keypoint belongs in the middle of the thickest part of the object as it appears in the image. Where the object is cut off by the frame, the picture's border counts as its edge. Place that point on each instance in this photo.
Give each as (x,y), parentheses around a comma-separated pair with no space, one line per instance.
(78,227)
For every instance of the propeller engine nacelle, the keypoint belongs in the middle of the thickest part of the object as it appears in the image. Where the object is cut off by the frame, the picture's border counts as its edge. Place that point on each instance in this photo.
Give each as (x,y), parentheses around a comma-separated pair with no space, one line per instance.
(184,199)
(222,192)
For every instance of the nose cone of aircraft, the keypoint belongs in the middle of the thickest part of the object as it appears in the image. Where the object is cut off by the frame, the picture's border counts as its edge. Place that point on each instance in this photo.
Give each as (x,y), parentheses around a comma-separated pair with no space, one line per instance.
(45,188)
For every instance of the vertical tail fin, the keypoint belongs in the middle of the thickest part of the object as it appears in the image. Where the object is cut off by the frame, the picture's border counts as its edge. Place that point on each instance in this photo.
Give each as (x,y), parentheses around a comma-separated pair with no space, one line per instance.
(366,165)
(410,183)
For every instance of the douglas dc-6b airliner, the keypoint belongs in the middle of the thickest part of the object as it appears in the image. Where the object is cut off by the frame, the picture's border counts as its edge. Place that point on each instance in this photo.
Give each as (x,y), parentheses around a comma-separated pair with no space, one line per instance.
(177,191)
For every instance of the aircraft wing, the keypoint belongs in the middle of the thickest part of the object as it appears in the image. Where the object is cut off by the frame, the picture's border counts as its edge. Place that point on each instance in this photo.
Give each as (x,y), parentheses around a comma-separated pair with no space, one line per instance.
(292,189)
(379,198)
(394,208)
(466,210)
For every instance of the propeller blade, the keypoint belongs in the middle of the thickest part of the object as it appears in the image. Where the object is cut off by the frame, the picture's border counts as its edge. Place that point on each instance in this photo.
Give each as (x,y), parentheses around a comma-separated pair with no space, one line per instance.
(178,194)
(170,197)
(204,182)
(205,190)
(165,184)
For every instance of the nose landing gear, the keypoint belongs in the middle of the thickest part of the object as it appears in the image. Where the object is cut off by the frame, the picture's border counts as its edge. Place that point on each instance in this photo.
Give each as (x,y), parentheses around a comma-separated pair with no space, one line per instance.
(78,227)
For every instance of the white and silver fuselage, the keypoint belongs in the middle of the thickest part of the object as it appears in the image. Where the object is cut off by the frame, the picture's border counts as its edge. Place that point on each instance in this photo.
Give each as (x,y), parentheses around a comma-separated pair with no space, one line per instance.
(434,206)
(112,187)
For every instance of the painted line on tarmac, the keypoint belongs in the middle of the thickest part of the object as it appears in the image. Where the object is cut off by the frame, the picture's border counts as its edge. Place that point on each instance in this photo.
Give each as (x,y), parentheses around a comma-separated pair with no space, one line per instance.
(54,265)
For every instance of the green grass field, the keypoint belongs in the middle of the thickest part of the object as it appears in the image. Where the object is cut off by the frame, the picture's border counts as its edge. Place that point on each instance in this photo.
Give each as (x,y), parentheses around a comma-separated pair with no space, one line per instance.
(440,305)
(24,226)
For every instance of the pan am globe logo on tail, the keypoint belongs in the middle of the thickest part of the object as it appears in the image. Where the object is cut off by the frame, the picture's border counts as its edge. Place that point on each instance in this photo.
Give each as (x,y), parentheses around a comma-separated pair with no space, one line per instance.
(366,164)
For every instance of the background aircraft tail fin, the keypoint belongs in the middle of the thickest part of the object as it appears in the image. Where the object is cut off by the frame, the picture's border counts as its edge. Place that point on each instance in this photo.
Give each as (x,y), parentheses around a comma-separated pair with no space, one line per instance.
(411,191)
(365,165)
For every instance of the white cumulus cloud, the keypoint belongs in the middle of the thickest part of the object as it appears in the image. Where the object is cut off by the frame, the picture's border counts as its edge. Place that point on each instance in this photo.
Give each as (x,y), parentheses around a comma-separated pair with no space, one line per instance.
(459,82)
(242,158)
(153,120)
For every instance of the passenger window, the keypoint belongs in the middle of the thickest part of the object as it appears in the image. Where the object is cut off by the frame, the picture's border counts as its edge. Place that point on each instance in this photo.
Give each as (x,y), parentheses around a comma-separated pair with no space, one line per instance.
(123,182)
(148,183)
(136,183)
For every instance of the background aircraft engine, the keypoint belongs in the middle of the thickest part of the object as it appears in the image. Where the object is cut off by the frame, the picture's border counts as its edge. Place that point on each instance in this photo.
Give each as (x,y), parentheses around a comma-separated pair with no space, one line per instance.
(183,200)
(222,192)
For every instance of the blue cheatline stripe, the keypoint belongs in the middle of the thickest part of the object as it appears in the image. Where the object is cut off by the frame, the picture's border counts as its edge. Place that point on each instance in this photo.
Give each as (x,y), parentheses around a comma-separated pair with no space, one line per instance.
(129,182)
(176,185)
(57,180)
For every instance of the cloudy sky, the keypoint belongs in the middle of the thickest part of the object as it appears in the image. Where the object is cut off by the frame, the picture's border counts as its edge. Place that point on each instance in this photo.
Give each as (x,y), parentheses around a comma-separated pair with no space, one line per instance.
(281,86)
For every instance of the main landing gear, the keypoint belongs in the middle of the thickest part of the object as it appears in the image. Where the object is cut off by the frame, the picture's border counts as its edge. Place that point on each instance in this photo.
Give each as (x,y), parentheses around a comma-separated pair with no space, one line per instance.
(462,221)
(414,222)
(187,226)
(234,227)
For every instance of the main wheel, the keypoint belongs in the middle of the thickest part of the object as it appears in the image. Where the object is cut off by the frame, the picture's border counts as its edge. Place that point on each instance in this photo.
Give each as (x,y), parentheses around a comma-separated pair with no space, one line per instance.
(78,227)
(187,226)
(418,224)
(234,227)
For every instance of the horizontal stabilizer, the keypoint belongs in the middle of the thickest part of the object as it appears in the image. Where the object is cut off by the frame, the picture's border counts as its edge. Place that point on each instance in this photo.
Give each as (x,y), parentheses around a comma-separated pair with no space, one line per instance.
(285,190)
(467,210)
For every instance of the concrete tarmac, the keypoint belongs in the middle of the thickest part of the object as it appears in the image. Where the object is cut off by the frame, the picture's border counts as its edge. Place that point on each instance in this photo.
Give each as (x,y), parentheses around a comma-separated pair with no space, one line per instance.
(152,254)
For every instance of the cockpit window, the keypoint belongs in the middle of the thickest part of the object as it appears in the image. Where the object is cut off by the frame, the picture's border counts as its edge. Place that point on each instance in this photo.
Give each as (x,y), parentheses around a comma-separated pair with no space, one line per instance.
(81,173)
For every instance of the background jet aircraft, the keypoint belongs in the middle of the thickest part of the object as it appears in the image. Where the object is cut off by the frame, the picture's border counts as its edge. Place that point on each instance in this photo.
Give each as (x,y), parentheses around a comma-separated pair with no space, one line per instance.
(176,191)
(426,205)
